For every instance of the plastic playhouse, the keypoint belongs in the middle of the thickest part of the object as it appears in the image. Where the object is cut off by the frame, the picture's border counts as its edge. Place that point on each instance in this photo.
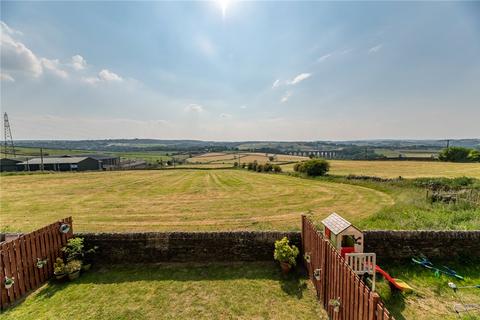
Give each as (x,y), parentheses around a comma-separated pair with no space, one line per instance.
(348,240)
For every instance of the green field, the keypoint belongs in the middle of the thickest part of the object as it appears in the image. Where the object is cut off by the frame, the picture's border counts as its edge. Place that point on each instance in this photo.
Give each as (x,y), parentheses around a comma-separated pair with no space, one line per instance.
(238,291)
(179,200)
(405,169)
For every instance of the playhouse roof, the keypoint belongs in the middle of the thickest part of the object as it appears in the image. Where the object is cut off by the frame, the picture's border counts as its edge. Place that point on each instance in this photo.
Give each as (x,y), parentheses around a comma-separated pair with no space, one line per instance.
(335,223)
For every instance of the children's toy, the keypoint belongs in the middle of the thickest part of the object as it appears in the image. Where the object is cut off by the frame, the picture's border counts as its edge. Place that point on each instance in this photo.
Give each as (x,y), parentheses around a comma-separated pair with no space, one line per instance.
(344,236)
(455,287)
(396,283)
(348,239)
(424,262)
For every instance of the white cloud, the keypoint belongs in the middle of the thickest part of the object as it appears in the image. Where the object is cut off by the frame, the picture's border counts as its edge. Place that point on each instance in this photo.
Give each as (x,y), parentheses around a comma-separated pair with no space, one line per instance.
(375,49)
(103,76)
(285,98)
(6,77)
(107,75)
(195,108)
(276,83)
(225,116)
(54,67)
(300,78)
(78,62)
(15,56)
(324,57)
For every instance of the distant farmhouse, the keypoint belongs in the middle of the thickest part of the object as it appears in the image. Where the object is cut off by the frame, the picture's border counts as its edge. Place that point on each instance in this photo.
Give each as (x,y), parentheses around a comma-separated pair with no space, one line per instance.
(62,163)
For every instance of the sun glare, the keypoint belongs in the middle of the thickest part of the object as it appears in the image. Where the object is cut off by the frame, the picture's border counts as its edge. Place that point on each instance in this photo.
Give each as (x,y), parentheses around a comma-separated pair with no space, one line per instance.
(223,6)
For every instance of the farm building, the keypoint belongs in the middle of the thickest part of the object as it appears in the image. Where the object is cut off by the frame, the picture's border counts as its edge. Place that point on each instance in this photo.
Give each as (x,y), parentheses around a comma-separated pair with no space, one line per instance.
(107,161)
(61,164)
(7,164)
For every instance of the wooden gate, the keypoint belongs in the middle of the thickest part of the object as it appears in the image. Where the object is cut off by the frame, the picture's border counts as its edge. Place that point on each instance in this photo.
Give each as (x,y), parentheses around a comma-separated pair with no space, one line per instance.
(342,293)
(19,257)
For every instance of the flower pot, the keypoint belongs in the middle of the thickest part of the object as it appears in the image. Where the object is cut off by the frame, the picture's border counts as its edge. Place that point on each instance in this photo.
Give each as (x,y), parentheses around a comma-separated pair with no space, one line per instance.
(60,276)
(285,267)
(74,275)
(86,267)
(8,286)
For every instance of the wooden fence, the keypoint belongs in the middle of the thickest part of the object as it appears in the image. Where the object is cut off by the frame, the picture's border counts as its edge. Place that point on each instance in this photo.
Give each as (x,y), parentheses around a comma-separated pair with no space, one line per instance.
(342,293)
(18,259)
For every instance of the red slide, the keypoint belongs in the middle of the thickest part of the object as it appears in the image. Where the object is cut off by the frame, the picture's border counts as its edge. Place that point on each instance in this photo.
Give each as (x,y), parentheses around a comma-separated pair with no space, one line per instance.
(397,283)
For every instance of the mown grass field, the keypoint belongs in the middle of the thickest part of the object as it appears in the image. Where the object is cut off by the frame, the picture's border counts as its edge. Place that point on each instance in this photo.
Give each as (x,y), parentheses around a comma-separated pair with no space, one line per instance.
(405,169)
(179,200)
(238,291)
(242,157)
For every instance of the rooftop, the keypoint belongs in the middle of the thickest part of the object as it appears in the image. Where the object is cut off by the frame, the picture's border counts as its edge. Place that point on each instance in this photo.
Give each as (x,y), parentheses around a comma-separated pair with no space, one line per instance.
(59,160)
(336,223)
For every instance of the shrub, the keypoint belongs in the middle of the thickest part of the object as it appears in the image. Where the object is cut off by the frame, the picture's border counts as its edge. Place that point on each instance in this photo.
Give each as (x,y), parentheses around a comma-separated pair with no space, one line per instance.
(267,167)
(74,249)
(313,167)
(73,266)
(284,252)
(474,155)
(59,266)
(277,168)
(458,154)
(259,168)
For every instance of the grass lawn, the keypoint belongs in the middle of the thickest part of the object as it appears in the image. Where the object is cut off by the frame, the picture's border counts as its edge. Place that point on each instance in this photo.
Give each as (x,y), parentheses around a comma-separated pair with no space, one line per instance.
(406,169)
(178,200)
(242,157)
(237,291)
(432,299)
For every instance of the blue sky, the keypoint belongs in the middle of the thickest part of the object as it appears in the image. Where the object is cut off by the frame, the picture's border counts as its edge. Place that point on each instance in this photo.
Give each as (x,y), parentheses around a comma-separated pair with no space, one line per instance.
(258,71)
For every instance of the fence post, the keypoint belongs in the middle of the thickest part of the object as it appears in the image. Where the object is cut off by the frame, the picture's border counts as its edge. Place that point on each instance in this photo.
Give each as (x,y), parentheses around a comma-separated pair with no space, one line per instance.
(372,308)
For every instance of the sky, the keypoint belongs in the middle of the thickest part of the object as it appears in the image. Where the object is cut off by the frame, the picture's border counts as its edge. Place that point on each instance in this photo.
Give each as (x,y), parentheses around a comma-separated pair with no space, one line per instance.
(231,70)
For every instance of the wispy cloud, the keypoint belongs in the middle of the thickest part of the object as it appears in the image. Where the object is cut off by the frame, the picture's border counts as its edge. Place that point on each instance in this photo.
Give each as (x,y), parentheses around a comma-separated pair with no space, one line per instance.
(194,108)
(6,77)
(225,116)
(300,78)
(324,57)
(276,83)
(375,49)
(286,96)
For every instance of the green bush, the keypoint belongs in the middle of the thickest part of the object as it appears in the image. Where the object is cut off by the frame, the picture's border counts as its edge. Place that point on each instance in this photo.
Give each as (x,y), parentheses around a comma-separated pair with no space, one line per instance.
(74,249)
(277,168)
(313,167)
(59,266)
(73,266)
(459,154)
(284,252)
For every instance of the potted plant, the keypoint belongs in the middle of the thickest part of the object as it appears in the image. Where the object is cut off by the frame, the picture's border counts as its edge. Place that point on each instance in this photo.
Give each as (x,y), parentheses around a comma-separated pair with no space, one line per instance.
(59,269)
(74,249)
(88,256)
(8,282)
(286,254)
(73,268)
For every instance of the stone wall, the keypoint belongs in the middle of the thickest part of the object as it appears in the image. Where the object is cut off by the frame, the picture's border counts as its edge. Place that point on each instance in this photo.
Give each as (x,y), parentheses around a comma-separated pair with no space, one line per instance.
(186,246)
(258,245)
(441,245)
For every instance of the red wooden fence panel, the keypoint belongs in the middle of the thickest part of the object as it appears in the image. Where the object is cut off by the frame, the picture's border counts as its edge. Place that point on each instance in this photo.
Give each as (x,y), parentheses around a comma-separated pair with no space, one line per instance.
(18,259)
(342,293)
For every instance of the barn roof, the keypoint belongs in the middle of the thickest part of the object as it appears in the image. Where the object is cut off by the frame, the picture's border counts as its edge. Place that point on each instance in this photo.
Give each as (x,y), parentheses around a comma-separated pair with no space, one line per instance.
(59,160)
(336,223)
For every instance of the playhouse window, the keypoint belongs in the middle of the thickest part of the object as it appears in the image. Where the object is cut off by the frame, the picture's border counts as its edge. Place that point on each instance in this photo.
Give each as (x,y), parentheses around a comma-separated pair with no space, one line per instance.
(348,241)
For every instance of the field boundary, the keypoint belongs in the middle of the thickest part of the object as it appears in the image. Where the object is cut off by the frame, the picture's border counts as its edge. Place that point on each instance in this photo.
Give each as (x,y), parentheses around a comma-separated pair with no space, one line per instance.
(19,260)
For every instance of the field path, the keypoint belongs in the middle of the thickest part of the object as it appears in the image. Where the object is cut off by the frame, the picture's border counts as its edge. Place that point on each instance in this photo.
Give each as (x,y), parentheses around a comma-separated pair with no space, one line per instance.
(190,200)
